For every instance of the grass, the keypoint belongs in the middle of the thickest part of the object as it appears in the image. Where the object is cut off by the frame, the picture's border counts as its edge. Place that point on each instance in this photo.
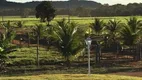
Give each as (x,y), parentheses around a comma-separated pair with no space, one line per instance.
(28,55)
(71,77)
(30,21)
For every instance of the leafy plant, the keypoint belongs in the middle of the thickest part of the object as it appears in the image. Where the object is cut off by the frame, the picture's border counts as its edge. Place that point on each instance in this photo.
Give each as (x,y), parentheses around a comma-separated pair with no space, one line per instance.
(97,26)
(5,41)
(69,43)
(38,33)
(131,31)
(45,11)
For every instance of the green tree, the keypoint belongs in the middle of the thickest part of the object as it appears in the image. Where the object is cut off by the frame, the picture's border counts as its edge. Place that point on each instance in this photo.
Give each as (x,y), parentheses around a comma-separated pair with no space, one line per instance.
(82,11)
(112,36)
(131,32)
(113,27)
(45,11)
(38,33)
(5,43)
(97,26)
(69,42)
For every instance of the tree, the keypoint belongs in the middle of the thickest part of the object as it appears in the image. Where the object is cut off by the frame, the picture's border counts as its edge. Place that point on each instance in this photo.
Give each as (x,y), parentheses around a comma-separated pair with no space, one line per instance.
(5,41)
(97,26)
(45,11)
(82,12)
(131,32)
(112,36)
(69,42)
(38,33)
(113,28)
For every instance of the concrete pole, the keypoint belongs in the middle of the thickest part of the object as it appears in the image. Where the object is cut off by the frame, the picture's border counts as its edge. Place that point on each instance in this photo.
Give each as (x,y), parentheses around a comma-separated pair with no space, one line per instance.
(89,71)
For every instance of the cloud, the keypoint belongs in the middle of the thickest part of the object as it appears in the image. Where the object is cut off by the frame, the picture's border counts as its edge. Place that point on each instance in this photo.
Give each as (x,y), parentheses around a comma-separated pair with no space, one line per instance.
(100,1)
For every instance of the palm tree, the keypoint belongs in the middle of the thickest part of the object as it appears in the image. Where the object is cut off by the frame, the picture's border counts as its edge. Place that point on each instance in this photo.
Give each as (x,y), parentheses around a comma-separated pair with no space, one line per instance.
(38,32)
(113,28)
(5,41)
(131,32)
(97,26)
(111,37)
(129,37)
(67,36)
(134,24)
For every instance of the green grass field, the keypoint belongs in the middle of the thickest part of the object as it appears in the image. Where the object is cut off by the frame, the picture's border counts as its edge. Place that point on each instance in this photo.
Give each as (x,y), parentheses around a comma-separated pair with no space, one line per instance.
(80,20)
(71,77)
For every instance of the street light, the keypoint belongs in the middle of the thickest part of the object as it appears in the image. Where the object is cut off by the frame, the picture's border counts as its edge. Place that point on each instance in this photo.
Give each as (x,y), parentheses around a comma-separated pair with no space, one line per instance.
(88,43)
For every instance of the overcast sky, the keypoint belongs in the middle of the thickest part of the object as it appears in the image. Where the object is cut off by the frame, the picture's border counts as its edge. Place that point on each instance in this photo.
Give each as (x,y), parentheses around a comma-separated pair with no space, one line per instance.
(101,1)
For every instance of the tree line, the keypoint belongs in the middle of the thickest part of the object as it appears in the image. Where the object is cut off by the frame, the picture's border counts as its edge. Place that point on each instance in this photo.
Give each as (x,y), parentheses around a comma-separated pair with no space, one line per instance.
(75,8)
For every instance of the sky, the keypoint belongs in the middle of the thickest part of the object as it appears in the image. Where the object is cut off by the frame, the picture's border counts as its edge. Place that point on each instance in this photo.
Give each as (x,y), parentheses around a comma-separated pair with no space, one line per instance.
(110,2)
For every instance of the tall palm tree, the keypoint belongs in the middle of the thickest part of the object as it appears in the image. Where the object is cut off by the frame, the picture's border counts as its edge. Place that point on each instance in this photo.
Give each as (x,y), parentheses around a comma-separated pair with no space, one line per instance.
(97,26)
(131,32)
(38,32)
(67,36)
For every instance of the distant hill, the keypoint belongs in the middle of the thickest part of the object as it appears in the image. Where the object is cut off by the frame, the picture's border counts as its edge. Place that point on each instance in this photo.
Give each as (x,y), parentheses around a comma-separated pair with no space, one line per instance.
(56,4)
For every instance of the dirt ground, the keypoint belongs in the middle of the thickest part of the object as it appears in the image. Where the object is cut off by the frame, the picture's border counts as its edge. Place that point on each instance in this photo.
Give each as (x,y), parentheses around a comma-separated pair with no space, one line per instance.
(137,73)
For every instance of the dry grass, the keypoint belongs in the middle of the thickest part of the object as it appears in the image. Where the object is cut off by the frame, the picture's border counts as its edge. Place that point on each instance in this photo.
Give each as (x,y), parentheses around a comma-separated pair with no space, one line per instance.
(71,77)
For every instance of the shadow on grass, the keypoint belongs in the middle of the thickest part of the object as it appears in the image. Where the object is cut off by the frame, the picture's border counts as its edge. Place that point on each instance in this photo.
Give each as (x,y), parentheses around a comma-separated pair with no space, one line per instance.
(105,67)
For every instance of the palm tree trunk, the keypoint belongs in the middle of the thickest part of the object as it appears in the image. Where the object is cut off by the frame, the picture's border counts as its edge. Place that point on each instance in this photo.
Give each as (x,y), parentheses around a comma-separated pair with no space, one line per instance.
(68,62)
(37,51)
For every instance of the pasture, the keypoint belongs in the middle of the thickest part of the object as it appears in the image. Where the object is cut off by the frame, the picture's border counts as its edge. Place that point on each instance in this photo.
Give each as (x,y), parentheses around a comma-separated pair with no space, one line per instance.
(31,20)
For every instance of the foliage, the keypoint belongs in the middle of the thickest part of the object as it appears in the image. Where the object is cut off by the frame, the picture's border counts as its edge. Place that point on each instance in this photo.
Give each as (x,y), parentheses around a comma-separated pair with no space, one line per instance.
(38,32)
(45,11)
(5,40)
(112,35)
(113,27)
(97,26)
(131,32)
(69,42)
(96,9)
(82,12)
